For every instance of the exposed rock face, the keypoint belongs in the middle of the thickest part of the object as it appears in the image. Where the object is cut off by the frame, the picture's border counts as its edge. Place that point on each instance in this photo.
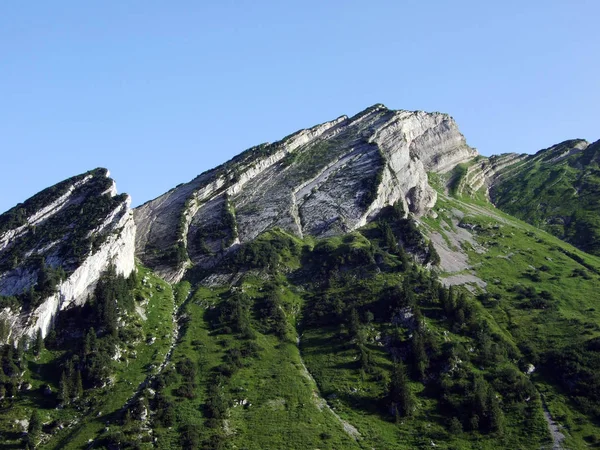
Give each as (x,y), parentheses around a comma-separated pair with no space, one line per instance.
(329,179)
(498,169)
(486,171)
(55,246)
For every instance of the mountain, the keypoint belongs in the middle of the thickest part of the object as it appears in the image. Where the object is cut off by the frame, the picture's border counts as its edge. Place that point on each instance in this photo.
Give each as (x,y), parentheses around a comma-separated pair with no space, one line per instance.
(326,180)
(557,189)
(349,286)
(55,245)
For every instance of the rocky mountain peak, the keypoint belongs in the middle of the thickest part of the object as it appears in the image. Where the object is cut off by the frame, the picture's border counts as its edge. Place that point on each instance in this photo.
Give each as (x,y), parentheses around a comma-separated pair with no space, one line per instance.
(325,180)
(55,245)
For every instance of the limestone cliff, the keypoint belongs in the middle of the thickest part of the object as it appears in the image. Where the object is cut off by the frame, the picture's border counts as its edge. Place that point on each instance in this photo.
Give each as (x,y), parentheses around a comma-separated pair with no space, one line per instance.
(321,181)
(54,246)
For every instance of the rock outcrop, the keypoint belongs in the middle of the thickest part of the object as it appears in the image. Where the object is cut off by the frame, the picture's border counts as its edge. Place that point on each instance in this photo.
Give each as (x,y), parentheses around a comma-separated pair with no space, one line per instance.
(329,179)
(55,246)
(487,173)
(484,172)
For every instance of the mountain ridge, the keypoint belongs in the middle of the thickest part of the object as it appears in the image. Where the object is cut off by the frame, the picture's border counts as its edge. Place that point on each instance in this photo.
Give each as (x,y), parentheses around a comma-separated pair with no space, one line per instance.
(386,142)
(46,263)
(349,286)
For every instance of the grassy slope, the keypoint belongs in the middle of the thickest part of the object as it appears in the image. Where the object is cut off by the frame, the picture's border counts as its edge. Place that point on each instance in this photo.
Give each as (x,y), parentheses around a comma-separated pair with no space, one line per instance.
(131,371)
(358,397)
(561,197)
(285,408)
(282,411)
(519,254)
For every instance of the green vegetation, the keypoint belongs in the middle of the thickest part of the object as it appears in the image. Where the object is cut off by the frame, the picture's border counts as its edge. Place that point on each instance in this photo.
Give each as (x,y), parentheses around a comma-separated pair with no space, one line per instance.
(343,342)
(402,361)
(557,193)
(17,216)
(541,294)
(90,364)
(456,176)
(351,341)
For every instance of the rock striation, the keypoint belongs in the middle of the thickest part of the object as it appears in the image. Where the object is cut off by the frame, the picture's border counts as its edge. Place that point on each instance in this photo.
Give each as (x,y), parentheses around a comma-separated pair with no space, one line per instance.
(491,173)
(485,172)
(55,246)
(321,181)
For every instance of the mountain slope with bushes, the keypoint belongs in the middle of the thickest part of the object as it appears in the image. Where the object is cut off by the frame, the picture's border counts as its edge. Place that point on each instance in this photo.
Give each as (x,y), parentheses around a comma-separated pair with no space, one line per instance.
(350,286)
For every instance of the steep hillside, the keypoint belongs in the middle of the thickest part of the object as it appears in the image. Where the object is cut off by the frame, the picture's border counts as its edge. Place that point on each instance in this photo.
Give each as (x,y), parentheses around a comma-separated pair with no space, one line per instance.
(350,286)
(54,247)
(558,190)
(347,342)
(541,292)
(326,180)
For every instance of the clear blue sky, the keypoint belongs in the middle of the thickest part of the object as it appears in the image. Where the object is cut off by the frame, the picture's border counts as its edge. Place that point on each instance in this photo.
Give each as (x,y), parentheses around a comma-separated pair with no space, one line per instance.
(158,92)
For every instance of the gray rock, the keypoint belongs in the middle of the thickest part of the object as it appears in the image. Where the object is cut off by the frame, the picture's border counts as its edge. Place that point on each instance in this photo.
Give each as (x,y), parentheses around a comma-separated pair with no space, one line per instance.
(46,232)
(321,181)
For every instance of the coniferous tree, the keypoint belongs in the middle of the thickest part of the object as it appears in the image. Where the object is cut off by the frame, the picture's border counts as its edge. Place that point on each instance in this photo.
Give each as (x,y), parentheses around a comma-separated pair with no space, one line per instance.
(496,416)
(389,240)
(4,329)
(90,343)
(455,426)
(419,355)
(279,323)
(34,429)
(20,353)
(9,367)
(78,386)
(400,397)
(480,396)
(408,293)
(364,358)
(432,255)
(39,343)
(354,324)
(64,393)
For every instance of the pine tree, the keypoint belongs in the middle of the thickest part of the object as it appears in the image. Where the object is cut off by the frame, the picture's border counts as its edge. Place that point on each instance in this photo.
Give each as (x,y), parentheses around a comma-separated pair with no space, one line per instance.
(455,426)
(39,343)
(433,256)
(420,358)
(481,394)
(364,359)
(20,353)
(495,415)
(354,325)
(408,293)
(78,386)
(64,393)
(400,397)
(8,362)
(389,240)
(35,428)
(90,343)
